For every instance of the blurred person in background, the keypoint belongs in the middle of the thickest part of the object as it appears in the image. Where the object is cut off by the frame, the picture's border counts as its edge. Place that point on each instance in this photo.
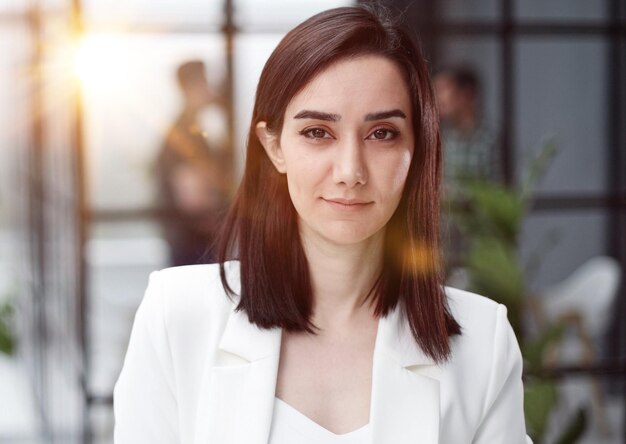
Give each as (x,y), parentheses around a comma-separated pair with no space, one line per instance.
(470,152)
(193,174)
(470,147)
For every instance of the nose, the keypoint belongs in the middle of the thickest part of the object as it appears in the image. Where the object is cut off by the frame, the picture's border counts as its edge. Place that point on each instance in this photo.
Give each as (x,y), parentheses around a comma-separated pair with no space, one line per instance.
(349,166)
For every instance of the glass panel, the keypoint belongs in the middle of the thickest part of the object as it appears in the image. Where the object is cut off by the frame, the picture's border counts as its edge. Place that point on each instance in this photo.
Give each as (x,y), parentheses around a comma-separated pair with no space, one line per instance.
(554,245)
(469,9)
(159,12)
(131,98)
(120,257)
(561,94)
(251,53)
(282,15)
(561,10)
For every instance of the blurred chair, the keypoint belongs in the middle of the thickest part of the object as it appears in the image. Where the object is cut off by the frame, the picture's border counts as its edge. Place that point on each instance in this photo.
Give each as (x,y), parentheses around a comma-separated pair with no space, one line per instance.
(588,293)
(583,302)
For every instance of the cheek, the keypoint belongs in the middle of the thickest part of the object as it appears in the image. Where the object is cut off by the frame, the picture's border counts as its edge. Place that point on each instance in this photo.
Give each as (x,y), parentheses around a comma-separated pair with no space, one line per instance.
(303,177)
(306,169)
(397,171)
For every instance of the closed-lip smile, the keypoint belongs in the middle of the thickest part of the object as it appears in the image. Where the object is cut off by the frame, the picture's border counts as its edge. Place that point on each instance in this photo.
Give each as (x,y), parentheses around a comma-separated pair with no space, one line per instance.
(346,203)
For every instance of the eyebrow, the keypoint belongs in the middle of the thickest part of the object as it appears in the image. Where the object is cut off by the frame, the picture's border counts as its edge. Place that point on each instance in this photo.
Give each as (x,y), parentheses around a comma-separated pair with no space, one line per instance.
(319,115)
(385,115)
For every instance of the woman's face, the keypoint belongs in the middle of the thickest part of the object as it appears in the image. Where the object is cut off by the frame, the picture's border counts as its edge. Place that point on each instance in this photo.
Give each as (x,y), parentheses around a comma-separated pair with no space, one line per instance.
(346,147)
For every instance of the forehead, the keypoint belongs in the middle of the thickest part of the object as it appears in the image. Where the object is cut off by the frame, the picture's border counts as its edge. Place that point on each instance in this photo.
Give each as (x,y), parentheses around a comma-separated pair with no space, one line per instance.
(360,84)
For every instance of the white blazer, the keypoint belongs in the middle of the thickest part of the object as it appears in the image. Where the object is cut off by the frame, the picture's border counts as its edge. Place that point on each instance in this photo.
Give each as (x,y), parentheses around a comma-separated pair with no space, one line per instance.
(197,372)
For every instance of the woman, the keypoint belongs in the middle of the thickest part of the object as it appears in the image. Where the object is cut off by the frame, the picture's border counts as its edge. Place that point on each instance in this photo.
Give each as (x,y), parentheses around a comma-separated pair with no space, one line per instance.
(333,325)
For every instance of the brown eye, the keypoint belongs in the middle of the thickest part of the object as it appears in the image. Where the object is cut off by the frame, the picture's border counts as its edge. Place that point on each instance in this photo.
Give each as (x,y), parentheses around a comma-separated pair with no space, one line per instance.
(383,134)
(316,133)
(380,134)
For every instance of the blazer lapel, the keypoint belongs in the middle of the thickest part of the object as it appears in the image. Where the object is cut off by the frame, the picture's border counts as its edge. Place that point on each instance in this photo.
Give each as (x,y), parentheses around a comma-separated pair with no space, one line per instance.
(241,385)
(405,403)
(237,400)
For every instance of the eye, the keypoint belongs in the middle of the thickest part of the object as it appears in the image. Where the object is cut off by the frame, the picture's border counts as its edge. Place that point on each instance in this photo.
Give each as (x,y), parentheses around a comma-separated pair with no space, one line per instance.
(315,133)
(383,134)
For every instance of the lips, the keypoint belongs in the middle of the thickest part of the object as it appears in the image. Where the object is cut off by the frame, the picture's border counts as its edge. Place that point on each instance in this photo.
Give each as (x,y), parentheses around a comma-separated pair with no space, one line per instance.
(347,204)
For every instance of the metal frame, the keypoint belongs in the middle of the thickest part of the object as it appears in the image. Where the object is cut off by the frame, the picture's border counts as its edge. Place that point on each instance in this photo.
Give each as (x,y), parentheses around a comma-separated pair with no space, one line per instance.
(37,225)
(83,221)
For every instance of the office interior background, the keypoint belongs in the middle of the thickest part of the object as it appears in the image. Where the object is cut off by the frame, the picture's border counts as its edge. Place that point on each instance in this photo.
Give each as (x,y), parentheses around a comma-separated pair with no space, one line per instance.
(88,89)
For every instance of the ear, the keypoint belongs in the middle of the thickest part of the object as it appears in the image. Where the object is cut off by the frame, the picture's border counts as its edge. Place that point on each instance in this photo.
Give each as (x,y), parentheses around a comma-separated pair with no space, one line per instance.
(271,144)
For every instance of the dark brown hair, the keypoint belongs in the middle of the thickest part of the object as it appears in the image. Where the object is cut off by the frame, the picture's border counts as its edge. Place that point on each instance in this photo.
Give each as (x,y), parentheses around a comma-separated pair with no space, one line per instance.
(261,229)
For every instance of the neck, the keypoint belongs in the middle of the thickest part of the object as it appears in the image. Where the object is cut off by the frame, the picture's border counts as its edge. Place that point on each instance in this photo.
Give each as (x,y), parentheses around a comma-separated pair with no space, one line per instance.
(342,277)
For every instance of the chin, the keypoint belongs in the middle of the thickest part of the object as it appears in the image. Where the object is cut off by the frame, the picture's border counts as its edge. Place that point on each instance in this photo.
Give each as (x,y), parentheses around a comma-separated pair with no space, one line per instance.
(349,234)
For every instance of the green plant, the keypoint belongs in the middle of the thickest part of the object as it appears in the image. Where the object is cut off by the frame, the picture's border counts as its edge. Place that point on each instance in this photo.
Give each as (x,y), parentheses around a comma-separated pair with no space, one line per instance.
(490,216)
(7,337)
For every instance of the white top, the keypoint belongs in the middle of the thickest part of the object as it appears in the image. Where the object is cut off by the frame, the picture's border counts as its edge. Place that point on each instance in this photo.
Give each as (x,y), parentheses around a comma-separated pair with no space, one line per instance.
(290,426)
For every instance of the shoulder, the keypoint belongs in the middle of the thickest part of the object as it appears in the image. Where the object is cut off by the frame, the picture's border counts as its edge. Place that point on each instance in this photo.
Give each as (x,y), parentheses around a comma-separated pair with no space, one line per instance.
(191,297)
(470,309)
(486,334)
(196,280)
(487,354)
(186,310)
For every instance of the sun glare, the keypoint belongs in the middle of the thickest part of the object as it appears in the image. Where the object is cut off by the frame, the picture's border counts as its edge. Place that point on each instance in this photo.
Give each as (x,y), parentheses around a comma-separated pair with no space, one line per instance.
(98,61)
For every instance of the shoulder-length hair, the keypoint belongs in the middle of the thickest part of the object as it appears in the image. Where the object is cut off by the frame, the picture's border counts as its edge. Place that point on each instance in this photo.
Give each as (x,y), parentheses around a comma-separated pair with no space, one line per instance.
(261,229)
